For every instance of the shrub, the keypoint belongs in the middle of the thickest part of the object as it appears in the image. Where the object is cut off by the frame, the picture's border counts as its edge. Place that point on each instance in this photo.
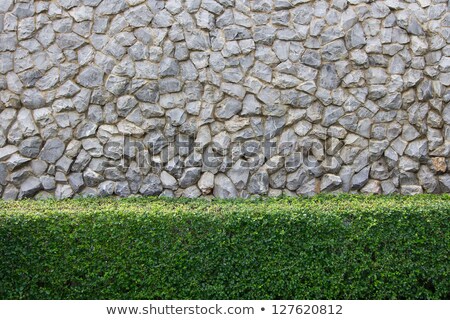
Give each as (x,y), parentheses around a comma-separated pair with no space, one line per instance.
(326,247)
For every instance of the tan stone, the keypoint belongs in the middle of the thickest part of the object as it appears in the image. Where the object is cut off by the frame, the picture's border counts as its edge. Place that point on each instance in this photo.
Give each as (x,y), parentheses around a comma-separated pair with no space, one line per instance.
(439,164)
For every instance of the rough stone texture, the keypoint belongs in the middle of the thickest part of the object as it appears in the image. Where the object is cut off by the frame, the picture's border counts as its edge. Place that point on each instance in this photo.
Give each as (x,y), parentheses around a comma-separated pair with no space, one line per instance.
(223,98)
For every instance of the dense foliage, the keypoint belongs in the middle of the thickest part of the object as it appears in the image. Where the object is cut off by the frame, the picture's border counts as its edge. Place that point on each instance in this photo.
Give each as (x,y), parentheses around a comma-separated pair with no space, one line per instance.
(327,247)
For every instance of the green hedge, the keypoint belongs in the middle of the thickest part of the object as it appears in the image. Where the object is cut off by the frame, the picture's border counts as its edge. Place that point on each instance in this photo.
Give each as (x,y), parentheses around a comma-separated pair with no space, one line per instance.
(344,247)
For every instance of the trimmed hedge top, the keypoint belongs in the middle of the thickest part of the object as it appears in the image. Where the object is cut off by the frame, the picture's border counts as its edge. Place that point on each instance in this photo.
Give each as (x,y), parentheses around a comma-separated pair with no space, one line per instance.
(324,247)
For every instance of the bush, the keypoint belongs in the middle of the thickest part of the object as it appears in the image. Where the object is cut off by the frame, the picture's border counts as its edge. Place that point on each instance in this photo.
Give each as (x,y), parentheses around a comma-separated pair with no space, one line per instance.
(327,247)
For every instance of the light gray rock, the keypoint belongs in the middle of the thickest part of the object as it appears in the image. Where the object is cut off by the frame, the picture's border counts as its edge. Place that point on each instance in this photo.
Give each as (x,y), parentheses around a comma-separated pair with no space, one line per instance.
(417,149)
(106,188)
(176,116)
(63,191)
(6,6)
(239,174)
(410,190)
(379,170)
(168,181)
(108,7)
(223,187)
(360,179)
(192,192)
(53,150)
(122,189)
(331,115)
(294,180)
(273,126)
(330,182)
(328,78)
(29,187)
(228,108)
(151,185)
(372,187)
(206,183)
(335,51)
(48,182)
(30,147)
(148,93)
(90,77)
(76,181)
(190,177)
(259,183)
(92,146)
(355,37)
(168,67)
(277,180)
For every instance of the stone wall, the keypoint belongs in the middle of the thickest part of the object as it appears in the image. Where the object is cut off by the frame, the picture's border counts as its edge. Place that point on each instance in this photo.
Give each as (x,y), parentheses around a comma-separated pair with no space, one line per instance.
(225,98)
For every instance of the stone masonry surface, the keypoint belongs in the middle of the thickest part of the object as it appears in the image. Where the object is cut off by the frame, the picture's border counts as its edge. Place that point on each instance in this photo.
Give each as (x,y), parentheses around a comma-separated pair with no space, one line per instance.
(223,98)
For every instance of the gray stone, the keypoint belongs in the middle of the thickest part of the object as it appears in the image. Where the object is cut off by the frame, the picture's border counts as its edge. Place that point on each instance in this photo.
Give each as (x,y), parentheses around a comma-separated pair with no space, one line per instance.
(192,192)
(52,150)
(334,51)
(168,181)
(176,116)
(259,183)
(234,90)
(360,179)
(63,191)
(29,187)
(206,183)
(372,187)
(330,182)
(108,7)
(417,149)
(331,115)
(7,151)
(168,67)
(91,178)
(355,37)
(30,147)
(169,85)
(277,180)
(93,147)
(151,185)
(128,128)
(190,177)
(3,173)
(328,78)
(48,182)
(76,181)
(273,126)
(294,180)
(379,170)
(6,6)
(264,35)
(212,6)
(223,187)
(312,58)
(308,188)
(106,188)
(90,77)
(239,174)
(155,141)
(148,93)
(10,193)
(139,16)
(122,189)
(228,108)
(410,190)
